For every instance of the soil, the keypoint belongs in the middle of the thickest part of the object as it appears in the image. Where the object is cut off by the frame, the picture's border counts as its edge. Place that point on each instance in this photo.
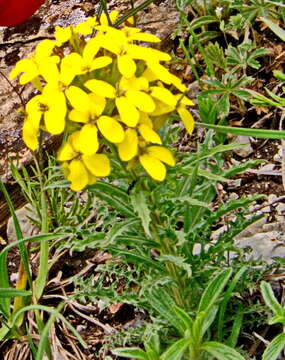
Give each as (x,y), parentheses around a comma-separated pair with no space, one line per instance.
(160,18)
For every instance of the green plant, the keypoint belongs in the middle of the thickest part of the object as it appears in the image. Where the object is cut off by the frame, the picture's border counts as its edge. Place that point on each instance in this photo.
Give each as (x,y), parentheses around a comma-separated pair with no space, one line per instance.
(277,345)
(191,329)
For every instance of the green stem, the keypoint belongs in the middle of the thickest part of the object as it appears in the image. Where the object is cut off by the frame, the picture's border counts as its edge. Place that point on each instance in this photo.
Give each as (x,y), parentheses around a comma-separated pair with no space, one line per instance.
(173,271)
(44,247)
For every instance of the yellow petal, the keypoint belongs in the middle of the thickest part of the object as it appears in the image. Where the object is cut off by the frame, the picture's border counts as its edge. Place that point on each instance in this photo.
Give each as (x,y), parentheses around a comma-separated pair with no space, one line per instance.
(128,149)
(145,37)
(112,15)
(78,98)
(74,140)
(126,65)
(162,154)
(91,179)
(66,152)
(97,164)
(62,35)
(28,68)
(159,121)
(147,54)
(153,167)
(145,119)
(71,65)
(187,119)
(55,116)
(178,83)
(44,49)
(78,175)
(161,108)
(141,100)
(111,129)
(134,83)
(30,135)
(149,135)
(100,62)
(79,116)
(163,95)
(101,88)
(150,75)
(97,104)
(184,100)
(90,50)
(128,112)
(49,71)
(88,139)
(161,72)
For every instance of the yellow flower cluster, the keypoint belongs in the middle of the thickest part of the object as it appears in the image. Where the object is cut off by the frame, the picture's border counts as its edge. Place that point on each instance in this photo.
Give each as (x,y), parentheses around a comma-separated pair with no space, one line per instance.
(98,86)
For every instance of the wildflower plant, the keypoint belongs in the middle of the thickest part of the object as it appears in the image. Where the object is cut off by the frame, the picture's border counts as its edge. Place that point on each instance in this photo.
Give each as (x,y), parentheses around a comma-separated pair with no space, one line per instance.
(105,92)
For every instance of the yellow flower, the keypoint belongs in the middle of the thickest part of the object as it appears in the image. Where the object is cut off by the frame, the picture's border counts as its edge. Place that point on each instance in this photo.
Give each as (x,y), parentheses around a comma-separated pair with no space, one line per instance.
(184,114)
(108,126)
(134,140)
(82,169)
(52,108)
(86,27)
(113,15)
(120,42)
(38,64)
(62,35)
(153,161)
(128,148)
(132,97)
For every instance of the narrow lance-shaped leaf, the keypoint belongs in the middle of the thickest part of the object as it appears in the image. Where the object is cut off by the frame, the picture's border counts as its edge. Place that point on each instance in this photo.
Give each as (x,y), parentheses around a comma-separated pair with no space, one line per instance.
(221,352)
(176,351)
(214,289)
(131,353)
(114,196)
(274,349)
(270,298)
(10,292)
(274,27)
(258,133)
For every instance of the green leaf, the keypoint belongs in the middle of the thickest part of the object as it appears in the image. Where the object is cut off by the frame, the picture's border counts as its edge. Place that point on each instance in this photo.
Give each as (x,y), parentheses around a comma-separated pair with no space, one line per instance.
(226,298)
(274,349)
(258,133)
(214,289)
(134,258)
(184,317)
(179,261)
(10,292)
(210,176)
(118,229)
(270,299)
(22,246)
(131,353)
(274,27)
(161,301)
(189,201)
(221,351)
(202,21)
(139,203)
(114,196)
(208,319)
(176,351)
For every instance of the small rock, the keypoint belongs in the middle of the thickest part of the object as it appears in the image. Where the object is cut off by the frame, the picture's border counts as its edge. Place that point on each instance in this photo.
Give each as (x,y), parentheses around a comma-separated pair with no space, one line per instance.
(28,229)
(245,150)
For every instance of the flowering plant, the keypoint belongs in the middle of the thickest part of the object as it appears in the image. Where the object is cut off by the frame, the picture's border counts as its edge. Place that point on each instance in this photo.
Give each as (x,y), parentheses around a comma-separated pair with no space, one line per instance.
(99,88)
